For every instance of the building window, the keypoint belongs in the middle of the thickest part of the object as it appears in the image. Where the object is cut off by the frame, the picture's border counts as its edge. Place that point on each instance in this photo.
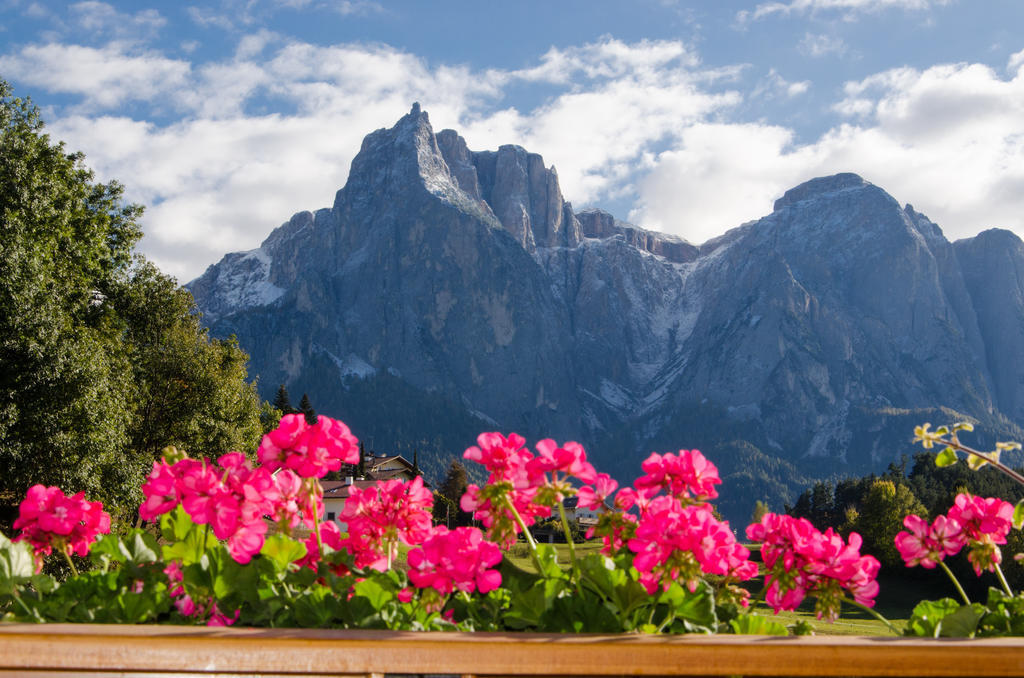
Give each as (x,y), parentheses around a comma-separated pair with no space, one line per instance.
(330,515)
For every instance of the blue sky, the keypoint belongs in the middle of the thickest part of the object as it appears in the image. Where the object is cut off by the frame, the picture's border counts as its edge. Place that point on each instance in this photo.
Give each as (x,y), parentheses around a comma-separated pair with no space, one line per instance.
(226,117)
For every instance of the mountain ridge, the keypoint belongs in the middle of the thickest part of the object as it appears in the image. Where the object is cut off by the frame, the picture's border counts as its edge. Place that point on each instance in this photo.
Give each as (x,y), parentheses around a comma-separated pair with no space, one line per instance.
(462,283)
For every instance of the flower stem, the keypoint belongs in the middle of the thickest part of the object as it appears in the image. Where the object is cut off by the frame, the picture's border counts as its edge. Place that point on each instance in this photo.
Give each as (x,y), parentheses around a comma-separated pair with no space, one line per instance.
(956,583)
(874,614)
(313,486)
(71,564)
(1002,580)
(17,597)
(526,533)
(957,445)
(569,541)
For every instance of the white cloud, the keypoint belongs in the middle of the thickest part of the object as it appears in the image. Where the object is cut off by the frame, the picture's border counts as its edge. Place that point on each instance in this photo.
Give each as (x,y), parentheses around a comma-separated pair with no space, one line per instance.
(38,11)
(774,85)
(635,97)
(104,77)
(821,45)
(1015,62)
(949,139)
(720,176)
(205,17)
(99,18)
(849,6)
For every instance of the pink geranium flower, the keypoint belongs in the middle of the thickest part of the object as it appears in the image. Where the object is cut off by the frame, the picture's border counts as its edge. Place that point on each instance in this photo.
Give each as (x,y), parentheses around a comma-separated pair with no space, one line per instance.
(501,456)
(381,516)
(688,475)
(594,497)
(927,544)
(985,524)
(676,542)
(50,520)
(160,490)
(310,451)
(569,459)
(458,559)
(802,561)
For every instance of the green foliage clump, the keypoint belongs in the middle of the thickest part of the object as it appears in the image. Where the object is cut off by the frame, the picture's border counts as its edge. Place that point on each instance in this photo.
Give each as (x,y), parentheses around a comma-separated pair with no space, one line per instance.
(102,358)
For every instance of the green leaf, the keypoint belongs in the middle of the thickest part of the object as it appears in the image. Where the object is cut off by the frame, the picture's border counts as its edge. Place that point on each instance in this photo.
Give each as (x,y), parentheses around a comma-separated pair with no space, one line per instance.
(926,619)
(194,540)
(16,564)
(963,623)
(946,458)
(176,524)
(142,547)
(44,583)
(580,613)
(757,625)
(377,595)
(975,462)
(548,557)
(1018,514)
(696,609)
(282,551)
(623,592)
(136,608)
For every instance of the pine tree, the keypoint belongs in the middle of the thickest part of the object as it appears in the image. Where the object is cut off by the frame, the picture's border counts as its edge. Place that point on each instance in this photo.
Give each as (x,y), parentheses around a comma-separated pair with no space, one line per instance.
(306,408)
(282,402)
(416,463)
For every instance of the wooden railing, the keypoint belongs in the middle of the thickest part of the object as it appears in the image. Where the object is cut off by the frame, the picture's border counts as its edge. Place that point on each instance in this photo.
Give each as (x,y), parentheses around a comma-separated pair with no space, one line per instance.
(95,650)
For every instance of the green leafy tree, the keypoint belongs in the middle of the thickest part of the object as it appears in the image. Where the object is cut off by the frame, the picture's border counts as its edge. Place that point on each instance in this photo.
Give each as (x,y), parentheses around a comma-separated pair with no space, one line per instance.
(64,386)
(881,516)
(190,391)
(102,358)
(447,508)
(760,509)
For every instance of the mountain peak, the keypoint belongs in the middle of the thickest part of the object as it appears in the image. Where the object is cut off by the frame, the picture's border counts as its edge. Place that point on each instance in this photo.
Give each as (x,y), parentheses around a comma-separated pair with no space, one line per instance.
(401,159)
(819,187)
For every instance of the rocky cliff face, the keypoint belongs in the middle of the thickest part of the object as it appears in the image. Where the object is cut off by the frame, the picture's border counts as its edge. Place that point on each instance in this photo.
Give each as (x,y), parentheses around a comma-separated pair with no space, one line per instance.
(449,291)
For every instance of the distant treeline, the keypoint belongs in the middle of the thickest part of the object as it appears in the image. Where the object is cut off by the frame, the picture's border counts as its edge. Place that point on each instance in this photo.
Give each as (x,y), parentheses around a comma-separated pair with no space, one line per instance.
(874,506)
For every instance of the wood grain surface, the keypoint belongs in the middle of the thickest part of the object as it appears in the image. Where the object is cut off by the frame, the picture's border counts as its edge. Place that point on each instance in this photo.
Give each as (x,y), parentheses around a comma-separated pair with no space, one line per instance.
(97,650)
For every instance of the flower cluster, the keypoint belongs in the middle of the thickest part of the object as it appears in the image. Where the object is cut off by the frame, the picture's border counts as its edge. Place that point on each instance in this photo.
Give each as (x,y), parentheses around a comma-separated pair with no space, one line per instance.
(981,524)
(676,535)
(456,559)
(688,476)
(48,519)
(662,531)
(309,450)
(507,504)
(330,536)
(802,561)
(235,498)
(676,542)
(380,517)
(232,498)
